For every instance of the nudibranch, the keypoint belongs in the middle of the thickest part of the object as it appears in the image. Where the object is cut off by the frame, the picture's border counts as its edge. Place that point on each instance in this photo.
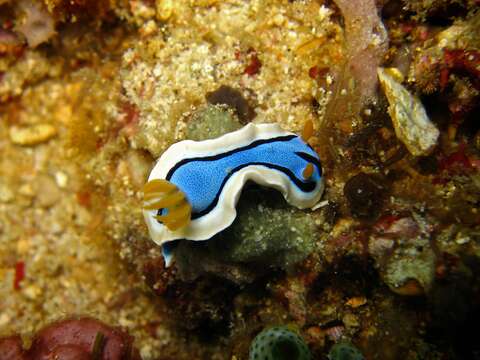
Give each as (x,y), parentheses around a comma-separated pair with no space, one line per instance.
(194,187)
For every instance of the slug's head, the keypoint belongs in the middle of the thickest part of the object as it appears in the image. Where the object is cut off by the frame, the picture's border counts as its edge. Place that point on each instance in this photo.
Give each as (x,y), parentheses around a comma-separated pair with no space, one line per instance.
(173,209)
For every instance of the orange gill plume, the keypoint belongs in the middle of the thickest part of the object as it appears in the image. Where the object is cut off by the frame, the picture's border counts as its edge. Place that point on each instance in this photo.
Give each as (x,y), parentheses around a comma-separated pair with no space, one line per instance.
(308,171)
(162,194)
(307,133)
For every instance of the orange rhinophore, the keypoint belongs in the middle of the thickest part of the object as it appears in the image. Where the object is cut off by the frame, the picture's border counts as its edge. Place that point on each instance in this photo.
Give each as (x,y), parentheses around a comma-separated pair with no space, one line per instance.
(161,194)
(307,132)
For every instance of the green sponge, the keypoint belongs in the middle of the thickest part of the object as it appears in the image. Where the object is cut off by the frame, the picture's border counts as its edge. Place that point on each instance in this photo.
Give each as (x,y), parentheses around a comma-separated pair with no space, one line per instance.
(344,350)
(279,343)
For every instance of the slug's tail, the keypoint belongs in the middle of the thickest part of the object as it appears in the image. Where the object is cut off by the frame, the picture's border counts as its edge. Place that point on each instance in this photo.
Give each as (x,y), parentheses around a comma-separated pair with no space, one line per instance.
(162,194)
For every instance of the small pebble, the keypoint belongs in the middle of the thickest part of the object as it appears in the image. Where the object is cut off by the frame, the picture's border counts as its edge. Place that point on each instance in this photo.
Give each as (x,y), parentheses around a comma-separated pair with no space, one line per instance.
(357,301)
(32,291)
(32,135)
(461,239)
(61,179)
(165,9)
(4,319)
(47,192)
(26,190)
(23,246)
(6,194)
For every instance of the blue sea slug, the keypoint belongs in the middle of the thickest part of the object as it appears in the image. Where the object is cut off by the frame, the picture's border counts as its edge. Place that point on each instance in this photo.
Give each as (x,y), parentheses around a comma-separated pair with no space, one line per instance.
(194,187)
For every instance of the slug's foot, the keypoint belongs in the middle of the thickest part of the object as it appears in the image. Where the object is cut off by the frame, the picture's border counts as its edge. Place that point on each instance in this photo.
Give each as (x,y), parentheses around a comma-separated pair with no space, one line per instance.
(169,201)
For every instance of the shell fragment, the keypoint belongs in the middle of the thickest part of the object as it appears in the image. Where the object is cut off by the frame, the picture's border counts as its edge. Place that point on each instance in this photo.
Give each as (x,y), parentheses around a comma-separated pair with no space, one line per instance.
(410,120)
